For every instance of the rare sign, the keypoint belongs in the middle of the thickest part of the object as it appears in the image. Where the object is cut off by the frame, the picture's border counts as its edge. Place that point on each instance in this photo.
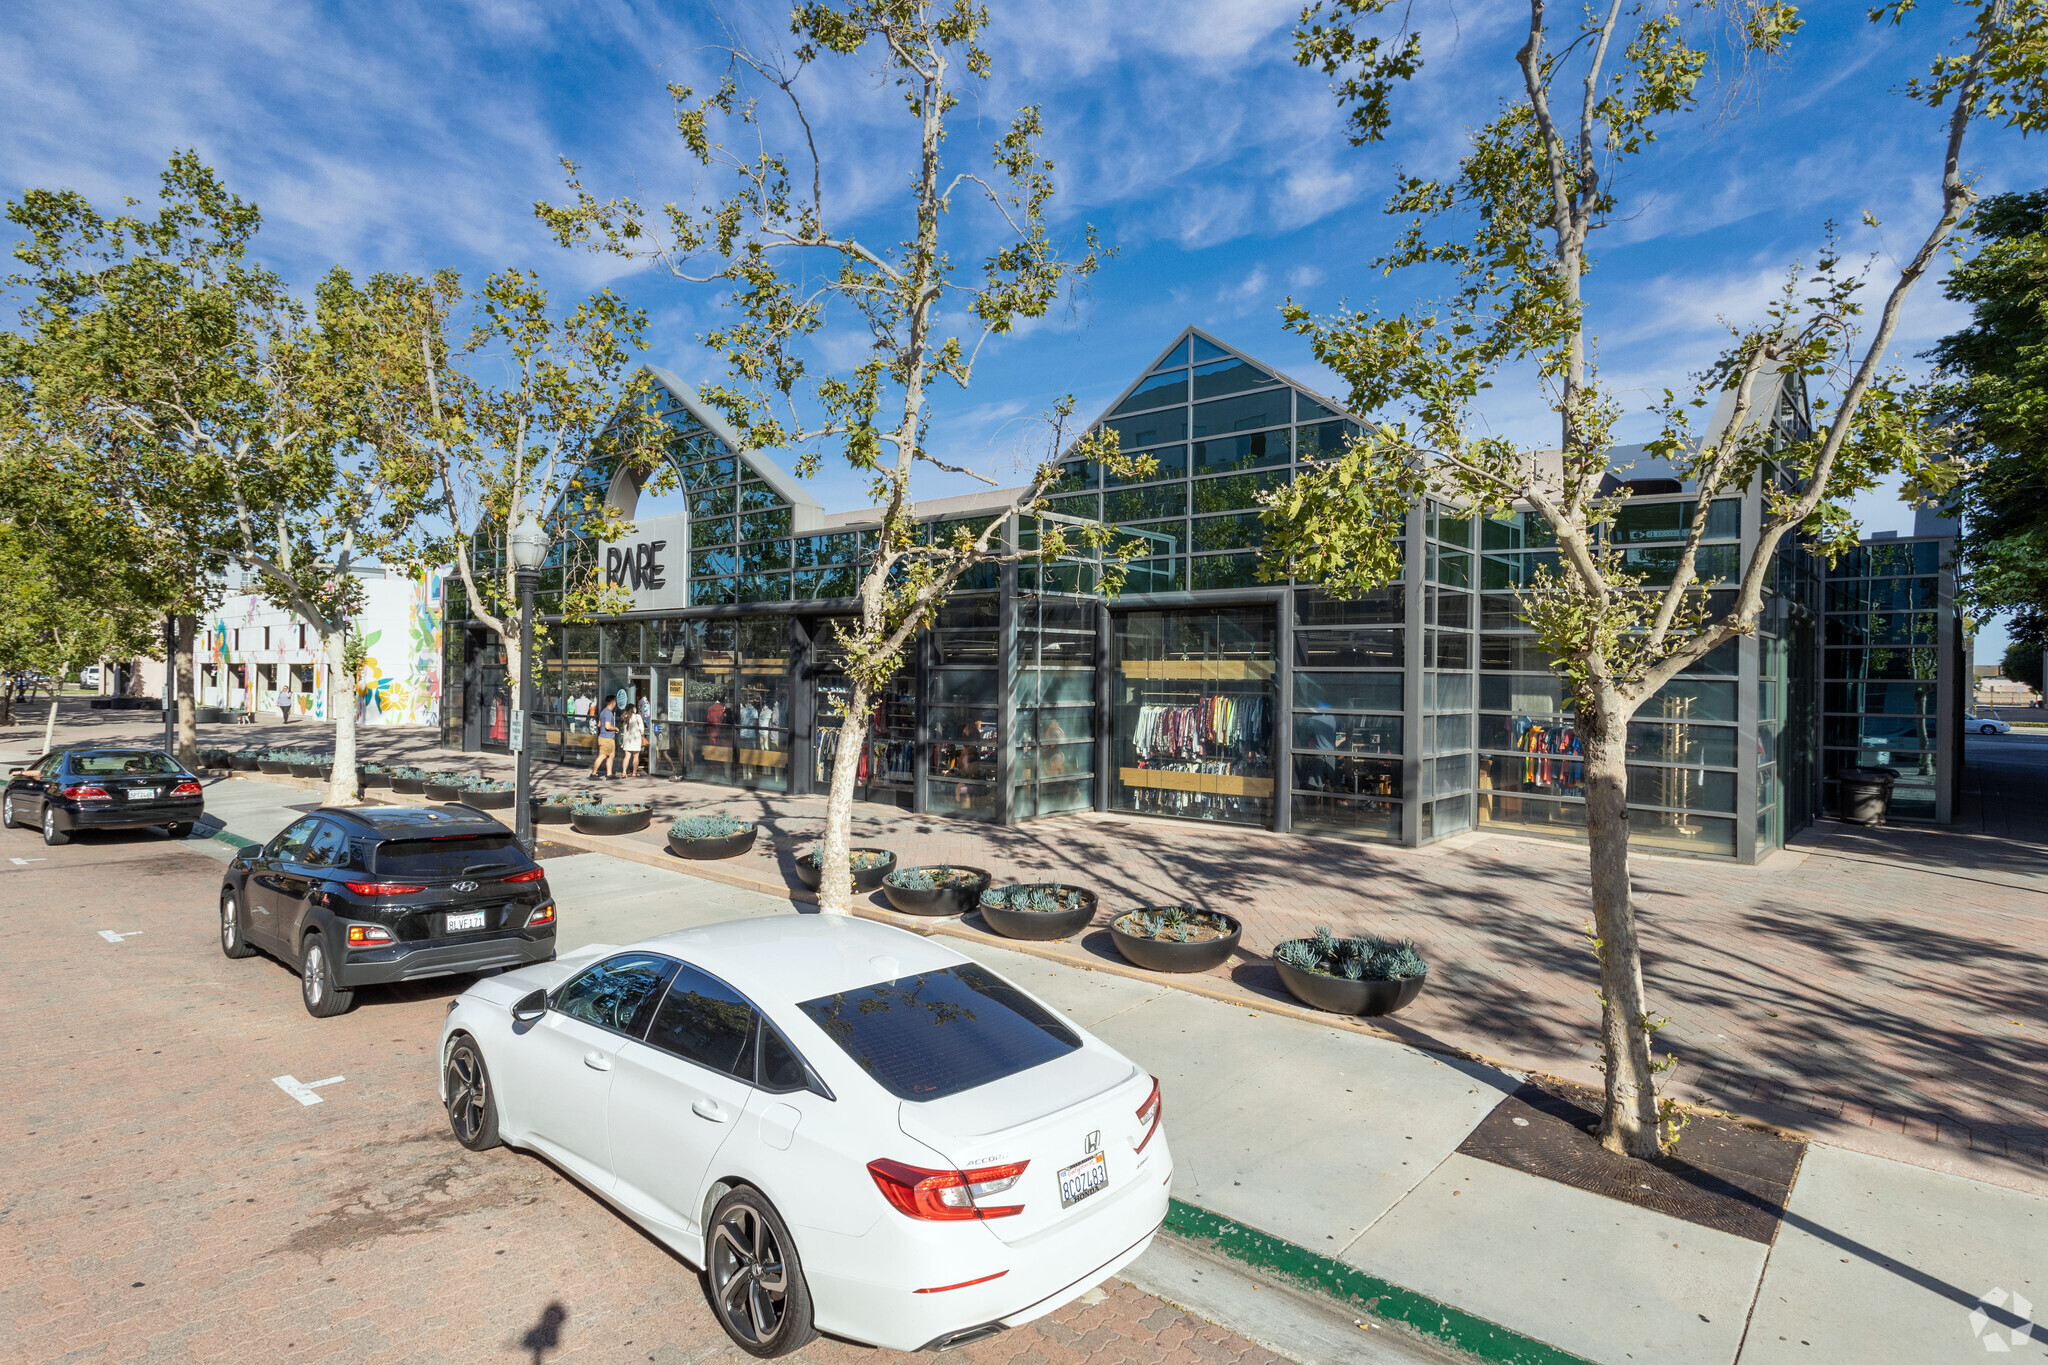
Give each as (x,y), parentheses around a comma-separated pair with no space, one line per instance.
(650,564)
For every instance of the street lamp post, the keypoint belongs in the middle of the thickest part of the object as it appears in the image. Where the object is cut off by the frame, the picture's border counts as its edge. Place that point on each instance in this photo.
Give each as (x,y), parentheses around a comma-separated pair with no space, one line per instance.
(528,547)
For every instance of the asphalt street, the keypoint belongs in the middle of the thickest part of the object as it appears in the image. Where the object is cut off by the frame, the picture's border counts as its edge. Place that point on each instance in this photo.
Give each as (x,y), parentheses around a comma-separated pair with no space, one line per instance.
(169,1199)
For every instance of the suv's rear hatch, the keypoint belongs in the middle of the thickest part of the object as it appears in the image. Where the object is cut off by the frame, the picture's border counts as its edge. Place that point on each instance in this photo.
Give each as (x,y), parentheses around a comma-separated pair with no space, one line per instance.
(462,884)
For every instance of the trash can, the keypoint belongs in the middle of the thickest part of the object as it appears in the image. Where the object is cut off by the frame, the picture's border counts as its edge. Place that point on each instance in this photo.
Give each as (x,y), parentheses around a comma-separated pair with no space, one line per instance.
(1867,794)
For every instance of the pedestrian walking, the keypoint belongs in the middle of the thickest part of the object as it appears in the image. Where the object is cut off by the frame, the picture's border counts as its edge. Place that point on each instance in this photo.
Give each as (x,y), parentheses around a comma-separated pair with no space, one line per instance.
(607,737)
(632,738)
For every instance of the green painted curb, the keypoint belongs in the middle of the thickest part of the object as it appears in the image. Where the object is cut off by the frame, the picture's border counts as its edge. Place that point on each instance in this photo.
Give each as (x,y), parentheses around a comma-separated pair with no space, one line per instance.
(233,841)
(1369,1293)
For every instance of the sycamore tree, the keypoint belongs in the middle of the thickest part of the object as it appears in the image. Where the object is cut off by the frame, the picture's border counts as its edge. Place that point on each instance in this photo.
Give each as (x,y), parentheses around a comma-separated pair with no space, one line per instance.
(1992,384)
(195,397)
(1511,228)
(480,409)
(75,579)
(788,264)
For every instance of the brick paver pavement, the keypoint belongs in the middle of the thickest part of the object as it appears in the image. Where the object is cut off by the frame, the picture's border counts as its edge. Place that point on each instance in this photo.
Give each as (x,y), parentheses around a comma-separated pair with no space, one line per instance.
(165,1200)
(1894,979)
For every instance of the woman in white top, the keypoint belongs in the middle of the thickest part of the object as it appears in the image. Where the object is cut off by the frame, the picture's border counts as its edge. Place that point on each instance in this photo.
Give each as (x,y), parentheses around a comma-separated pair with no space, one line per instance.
(632,738)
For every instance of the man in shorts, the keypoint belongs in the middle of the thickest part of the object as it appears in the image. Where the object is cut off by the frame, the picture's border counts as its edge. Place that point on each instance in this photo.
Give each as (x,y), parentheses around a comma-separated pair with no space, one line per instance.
(607,737)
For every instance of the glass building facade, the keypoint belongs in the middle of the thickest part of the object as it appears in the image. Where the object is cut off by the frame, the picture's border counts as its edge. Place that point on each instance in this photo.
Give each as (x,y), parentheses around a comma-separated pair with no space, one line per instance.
(1423,710)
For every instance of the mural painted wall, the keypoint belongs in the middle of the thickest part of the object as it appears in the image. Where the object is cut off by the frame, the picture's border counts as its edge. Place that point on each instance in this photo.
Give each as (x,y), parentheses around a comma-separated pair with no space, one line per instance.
(400,682)
(252,656)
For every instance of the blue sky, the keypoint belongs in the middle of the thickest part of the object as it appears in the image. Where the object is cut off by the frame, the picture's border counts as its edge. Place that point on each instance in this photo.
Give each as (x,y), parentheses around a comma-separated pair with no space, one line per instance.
(410,137)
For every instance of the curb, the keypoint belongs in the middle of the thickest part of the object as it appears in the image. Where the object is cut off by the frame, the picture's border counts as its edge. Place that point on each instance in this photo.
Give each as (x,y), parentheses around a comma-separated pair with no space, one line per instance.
(1319,1274)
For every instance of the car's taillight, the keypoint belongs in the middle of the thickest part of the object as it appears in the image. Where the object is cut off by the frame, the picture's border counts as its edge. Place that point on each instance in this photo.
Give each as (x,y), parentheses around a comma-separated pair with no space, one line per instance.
(186,789)
(86,794)
(383,888)
(544,915)
(368,933)
(945,1196)
(1149,1114)
(532,874)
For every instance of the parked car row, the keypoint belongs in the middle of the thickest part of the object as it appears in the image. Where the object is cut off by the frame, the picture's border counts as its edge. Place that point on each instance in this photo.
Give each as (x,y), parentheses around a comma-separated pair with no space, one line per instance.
(845,1127)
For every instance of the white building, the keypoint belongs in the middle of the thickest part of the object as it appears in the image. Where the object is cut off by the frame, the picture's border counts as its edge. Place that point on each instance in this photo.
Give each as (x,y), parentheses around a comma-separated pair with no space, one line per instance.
(250,652)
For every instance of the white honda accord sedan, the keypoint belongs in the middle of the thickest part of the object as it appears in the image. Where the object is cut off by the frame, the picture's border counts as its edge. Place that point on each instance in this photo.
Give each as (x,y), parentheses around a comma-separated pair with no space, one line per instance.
(848,1128)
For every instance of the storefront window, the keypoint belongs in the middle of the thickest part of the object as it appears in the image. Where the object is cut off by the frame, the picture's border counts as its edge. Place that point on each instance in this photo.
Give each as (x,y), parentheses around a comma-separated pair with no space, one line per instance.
(1194,714)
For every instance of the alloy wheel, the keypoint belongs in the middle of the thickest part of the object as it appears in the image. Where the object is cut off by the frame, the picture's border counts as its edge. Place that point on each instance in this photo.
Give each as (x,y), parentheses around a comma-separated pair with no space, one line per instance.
(227,923)
(313,975)
(468,1094)
(749,1282)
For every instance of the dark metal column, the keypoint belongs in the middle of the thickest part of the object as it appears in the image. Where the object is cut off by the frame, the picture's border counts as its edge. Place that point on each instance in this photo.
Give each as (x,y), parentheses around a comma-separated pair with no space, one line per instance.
(522,797)
(803,698)
(921,753)
(1414,636)
(170,684)
(1105,707)
(1006,678)
(1283,716)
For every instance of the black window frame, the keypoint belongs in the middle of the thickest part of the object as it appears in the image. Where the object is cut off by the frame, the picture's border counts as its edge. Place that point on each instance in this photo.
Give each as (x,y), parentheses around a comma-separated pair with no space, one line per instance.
(642,1017)
(752,1049)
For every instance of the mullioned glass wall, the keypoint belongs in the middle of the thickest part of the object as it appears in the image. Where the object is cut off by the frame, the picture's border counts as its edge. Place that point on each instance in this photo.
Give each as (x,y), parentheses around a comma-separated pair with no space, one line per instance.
(1194,691)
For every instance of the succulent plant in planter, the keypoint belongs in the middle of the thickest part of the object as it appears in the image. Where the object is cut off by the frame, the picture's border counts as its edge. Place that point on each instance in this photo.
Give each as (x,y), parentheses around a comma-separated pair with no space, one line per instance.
(276,762)
(445,786)
(487,793)
(609,817)
(870,865)
(408,781)
(710,836)
(1038,910)
(552,808)
(374,775)
(935,890)
(1363,975)
(1176,938)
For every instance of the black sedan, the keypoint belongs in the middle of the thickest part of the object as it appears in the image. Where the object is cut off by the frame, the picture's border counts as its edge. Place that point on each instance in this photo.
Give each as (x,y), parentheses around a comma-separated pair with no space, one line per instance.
(77,789)
(369,896)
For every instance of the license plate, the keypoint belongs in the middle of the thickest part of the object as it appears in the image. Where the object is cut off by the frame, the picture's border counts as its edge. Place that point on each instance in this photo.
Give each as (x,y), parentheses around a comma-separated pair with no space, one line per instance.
(1082,1179)
(142,793)
(473,919)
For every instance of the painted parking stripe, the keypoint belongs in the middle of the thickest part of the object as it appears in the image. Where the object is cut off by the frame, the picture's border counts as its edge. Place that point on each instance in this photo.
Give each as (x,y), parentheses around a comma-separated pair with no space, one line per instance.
(24,862)
(302,1091)
(110,936)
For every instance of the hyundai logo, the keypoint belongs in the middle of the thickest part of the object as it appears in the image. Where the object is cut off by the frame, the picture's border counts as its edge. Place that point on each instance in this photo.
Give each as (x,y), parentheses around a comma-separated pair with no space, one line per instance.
(464,886)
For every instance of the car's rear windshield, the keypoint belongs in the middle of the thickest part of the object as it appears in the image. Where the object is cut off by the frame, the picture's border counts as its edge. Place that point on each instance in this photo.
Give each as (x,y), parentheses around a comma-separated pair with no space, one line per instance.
(124,765)
(449,856)
(935,1034)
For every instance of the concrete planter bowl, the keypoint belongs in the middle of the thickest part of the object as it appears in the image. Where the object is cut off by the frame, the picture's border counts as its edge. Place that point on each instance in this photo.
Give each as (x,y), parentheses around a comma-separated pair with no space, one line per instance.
(368,780)
(956,896)
(312,770)
(1341,995)
(408,786)
(865,879)
(208,715)
(244,763)
(274,767)
(443,791)
(705,850)
(546,814)
(504,800)
(1169,955)
(625,822)
(1076,912)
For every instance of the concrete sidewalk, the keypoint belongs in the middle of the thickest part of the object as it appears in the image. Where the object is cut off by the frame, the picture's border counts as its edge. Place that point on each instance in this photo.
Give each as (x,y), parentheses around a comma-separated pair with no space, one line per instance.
(1323,1155)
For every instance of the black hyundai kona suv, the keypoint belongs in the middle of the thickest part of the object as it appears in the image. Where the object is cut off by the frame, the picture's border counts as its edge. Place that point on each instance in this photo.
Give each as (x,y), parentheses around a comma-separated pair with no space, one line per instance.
(361,897)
